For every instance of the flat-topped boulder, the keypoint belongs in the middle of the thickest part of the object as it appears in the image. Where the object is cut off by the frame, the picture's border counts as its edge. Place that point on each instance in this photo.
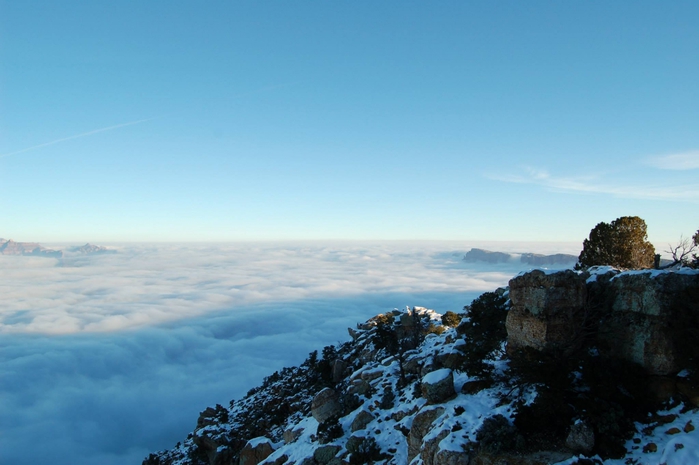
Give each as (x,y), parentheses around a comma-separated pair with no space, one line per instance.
(547,309)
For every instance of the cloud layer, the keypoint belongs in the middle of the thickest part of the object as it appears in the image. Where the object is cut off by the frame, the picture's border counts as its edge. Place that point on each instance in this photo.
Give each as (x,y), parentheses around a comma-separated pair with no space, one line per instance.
(107,358)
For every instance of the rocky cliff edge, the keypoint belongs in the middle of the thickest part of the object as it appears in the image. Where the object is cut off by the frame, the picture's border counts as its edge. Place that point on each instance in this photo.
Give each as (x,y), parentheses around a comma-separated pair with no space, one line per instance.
(592,368)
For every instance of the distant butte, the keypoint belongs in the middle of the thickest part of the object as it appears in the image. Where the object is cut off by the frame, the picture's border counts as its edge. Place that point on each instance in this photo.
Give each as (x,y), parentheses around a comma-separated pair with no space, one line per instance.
(481,255)
(10,247)
(91,249)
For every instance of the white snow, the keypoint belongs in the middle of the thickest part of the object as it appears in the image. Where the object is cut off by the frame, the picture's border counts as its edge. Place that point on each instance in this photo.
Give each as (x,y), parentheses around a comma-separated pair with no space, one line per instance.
(436,376)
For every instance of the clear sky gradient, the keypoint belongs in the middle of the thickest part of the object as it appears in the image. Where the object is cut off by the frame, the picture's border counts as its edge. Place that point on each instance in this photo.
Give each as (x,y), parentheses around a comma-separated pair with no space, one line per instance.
(274,120)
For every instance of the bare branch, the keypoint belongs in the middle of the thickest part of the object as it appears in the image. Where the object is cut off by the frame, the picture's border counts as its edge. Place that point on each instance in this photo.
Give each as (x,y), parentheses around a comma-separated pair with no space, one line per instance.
(682,251)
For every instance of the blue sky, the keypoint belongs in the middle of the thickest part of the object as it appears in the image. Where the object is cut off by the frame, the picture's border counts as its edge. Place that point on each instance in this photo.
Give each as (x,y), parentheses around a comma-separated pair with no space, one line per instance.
(346,120)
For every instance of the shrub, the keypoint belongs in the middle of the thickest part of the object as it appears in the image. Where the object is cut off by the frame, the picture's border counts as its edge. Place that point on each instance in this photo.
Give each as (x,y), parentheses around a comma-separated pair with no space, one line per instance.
(484,331)
(330,430)
(451,319)
(622,244)
(366,451)
(434,329)
(497,434)
(608,393)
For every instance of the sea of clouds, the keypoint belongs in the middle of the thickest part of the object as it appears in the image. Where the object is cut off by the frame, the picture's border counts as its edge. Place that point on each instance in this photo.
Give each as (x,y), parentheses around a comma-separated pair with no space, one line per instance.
(106,358)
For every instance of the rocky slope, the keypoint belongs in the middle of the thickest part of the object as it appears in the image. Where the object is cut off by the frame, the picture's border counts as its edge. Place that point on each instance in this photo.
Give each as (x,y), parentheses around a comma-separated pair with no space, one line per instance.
(555,368)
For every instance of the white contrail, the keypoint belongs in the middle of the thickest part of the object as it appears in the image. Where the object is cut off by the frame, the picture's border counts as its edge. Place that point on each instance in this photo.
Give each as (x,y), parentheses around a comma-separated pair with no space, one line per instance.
(84,134)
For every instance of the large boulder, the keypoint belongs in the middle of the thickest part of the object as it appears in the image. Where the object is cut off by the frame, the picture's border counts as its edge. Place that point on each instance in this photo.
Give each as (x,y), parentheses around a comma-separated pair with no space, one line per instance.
(255,451)
(438,386)
(547,310)
(326,404)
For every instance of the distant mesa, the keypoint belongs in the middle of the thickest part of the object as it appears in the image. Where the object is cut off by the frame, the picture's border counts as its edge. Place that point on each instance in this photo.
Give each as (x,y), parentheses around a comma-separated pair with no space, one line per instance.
(10,247)
(481,255)
(555,259)
(534,259)
(91,249)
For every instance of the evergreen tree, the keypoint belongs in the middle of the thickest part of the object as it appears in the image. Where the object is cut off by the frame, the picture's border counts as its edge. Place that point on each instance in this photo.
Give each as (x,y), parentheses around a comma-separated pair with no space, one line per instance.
(622,244)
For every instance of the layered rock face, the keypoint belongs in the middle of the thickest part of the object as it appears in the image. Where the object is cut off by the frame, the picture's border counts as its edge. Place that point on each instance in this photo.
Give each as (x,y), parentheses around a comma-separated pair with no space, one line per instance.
(646,318)
(547,310)
(653,319)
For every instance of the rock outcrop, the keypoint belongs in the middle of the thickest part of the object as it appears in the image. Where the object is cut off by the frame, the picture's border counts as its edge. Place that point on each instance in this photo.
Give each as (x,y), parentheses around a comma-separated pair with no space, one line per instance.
(653,320)
(422,424)
(645,317)
(547,310)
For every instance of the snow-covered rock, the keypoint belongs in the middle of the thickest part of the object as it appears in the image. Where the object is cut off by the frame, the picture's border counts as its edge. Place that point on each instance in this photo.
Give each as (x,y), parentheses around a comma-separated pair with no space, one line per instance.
(438,386)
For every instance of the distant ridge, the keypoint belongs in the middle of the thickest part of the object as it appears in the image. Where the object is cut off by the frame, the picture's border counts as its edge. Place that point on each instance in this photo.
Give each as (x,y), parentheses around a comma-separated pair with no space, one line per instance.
(10,247)
(91,249)
(482,255)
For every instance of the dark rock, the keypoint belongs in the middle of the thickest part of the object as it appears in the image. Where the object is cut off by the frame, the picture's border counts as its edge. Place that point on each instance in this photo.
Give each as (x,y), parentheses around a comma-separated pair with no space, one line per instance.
(338,373)
(361,421)
(452,457)
(281,460)
(255,451)
(325,405)
(476,386)
(653,320)
(430,448)
(354,442)
(207,417)
(513,458)
(581,438)
(422,424)
(359,386)
(325,454)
